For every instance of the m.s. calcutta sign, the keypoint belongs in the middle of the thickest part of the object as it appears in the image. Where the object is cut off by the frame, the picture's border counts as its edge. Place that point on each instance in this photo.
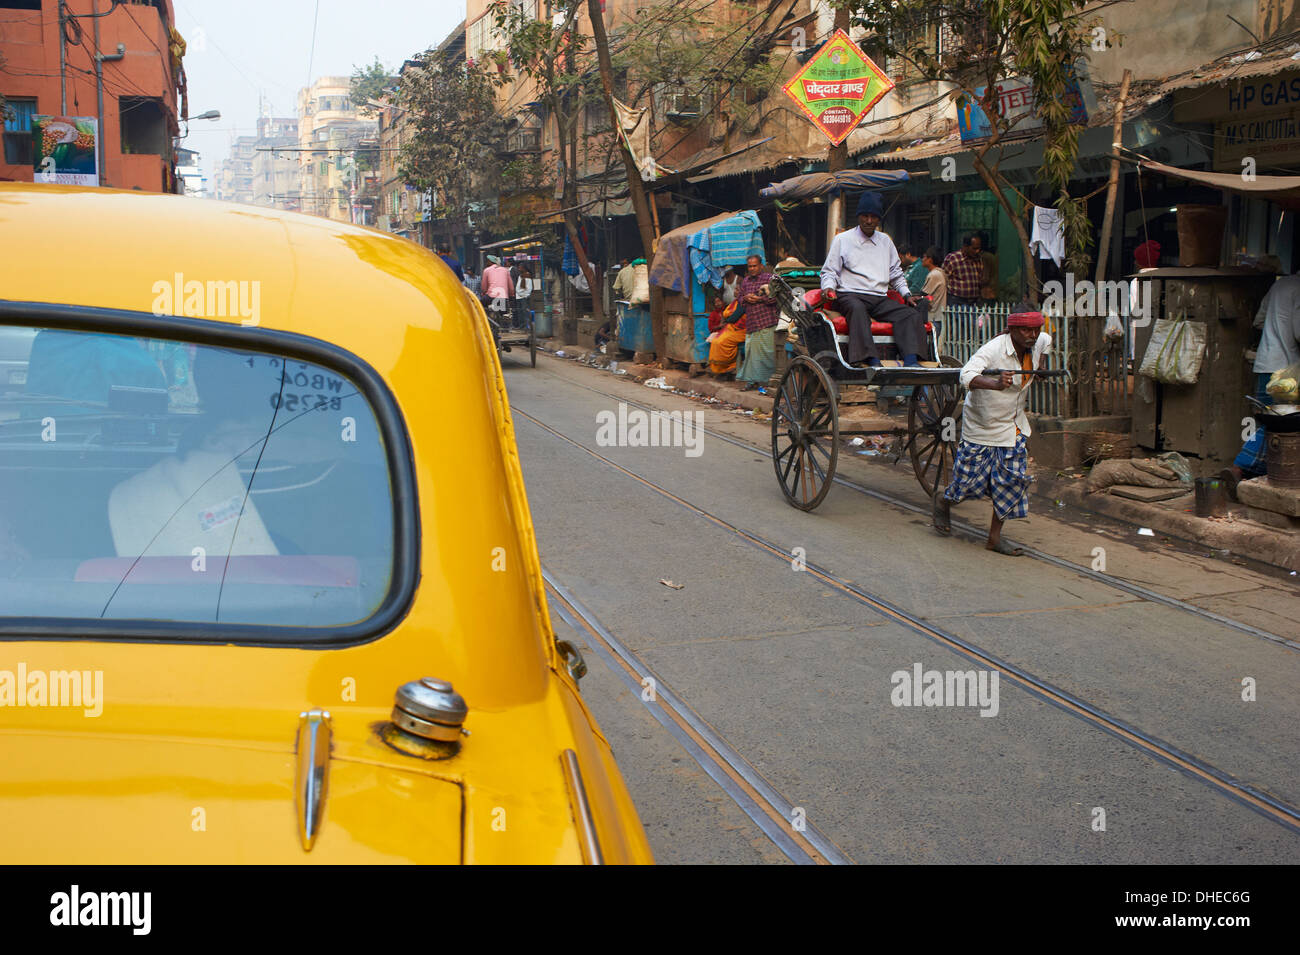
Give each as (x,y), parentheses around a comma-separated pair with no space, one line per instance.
(837,87)
(1254,118)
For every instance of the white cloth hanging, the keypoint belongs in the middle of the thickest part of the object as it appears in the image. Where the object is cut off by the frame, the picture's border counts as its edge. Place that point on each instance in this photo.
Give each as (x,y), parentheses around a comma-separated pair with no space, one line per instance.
(1048,237)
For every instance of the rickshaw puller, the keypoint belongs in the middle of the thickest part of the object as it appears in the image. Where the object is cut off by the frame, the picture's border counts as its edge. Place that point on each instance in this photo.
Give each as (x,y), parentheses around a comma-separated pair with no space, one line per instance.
(992,460)
(861,267)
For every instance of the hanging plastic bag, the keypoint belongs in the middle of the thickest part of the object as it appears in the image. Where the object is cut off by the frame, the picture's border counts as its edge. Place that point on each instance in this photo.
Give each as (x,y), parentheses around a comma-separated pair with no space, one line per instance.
(1284,386)
(1114,330)
(1175,352)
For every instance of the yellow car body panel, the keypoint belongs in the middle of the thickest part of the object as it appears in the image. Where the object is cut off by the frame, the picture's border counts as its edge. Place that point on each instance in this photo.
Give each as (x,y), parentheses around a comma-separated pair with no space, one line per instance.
(192,757)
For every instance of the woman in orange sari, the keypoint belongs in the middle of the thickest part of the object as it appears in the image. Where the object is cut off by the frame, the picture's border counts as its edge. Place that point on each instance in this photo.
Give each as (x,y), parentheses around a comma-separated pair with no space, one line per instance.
(725,346)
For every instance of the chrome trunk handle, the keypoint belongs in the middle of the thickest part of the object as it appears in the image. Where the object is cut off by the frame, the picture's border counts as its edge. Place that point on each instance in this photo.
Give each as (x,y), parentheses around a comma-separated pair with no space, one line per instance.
(312,779)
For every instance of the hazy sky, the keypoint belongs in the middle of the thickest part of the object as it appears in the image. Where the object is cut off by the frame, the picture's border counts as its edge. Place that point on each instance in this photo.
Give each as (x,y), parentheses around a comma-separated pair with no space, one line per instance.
(240,48)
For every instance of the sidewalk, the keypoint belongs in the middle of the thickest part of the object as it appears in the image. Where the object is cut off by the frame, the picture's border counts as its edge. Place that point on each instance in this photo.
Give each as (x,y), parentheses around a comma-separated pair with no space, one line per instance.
(1233,535)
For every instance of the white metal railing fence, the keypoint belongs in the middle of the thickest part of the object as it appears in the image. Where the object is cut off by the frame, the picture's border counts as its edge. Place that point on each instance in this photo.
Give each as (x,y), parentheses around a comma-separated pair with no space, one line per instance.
(967,327)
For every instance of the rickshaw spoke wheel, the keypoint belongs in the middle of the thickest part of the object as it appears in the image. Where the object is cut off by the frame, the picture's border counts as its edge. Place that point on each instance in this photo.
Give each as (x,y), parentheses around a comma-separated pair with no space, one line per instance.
(934,426)
(805,424)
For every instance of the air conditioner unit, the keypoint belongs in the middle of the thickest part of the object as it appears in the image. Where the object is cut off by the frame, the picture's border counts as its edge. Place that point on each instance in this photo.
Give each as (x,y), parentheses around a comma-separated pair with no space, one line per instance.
(683,106)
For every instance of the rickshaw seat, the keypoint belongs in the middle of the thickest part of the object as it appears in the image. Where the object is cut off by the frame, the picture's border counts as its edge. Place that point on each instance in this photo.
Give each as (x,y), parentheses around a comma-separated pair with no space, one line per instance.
(841,323)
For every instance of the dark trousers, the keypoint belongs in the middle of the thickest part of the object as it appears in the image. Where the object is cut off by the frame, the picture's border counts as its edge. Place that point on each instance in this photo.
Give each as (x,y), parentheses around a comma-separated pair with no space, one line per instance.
(909,324)
(962,299)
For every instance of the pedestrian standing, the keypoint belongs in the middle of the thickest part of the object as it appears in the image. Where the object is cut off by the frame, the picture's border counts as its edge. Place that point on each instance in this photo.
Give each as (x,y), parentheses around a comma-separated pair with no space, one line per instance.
(936,287)
(623,282)
(992,459)
(965,271)
(761,316)
(523,295)
(1279,347)
(473,281)
(453,263)
(913,268)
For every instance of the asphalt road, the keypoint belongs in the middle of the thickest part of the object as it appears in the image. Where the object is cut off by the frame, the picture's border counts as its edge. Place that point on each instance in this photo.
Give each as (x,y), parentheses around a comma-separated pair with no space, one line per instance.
(799,676)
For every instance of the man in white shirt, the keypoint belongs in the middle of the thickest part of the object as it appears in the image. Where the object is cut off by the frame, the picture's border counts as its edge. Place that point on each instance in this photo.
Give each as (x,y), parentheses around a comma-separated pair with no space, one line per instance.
(861,267)
(1279,347)
(992,460)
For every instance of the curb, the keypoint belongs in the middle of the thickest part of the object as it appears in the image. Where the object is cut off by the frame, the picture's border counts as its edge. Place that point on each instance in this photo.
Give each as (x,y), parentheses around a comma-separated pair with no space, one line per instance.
(1242,538)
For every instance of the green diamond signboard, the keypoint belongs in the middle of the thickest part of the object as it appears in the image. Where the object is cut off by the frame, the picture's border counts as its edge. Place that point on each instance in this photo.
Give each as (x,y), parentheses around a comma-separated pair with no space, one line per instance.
(838,86)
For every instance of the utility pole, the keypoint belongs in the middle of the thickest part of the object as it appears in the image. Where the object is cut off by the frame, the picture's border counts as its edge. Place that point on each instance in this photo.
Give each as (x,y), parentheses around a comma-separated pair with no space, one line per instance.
(99,87)
(63,67)
(1112,186)
(645,218)
(837,157)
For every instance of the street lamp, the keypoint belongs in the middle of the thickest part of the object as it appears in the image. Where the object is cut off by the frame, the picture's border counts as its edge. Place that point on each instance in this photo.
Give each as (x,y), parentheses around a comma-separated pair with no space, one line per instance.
(210,114)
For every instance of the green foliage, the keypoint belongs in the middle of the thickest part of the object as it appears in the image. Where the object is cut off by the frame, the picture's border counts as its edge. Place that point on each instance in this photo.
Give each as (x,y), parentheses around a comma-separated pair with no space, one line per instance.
(685,47)
(454,133)
(368,83)
(994,39)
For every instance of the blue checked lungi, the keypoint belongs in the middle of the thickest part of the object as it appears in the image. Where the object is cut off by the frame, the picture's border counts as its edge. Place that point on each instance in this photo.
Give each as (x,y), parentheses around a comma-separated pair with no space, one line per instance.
(982,470)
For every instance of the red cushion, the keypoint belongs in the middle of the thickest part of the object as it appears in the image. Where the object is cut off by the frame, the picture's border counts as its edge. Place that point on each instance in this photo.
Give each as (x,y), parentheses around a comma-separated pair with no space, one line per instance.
(841,323)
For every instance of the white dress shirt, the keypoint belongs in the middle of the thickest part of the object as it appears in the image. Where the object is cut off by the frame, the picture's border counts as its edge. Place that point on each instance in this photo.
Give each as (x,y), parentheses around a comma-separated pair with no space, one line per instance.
(992,417)
(1279,316)
(865,266)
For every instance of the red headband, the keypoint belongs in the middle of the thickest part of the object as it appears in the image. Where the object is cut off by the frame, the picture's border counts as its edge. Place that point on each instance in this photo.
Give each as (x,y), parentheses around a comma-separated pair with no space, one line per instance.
(1025,320)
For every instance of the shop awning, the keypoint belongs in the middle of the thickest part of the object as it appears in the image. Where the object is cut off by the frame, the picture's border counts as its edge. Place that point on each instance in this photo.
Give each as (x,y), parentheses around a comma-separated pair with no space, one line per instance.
(823,183)
(516,241)
(1278,188)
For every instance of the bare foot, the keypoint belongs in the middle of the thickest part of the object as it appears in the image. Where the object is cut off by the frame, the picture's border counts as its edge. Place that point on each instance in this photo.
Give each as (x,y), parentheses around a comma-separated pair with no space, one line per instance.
(1002,547)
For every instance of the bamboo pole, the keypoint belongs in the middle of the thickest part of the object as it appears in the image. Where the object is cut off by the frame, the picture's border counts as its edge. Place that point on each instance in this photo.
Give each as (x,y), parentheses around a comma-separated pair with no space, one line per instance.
(1103,248)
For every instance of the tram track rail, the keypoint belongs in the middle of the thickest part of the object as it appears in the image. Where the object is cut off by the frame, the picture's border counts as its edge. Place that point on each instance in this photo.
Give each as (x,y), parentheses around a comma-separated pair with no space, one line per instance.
(1226,784)
(767,808)
(1117,583)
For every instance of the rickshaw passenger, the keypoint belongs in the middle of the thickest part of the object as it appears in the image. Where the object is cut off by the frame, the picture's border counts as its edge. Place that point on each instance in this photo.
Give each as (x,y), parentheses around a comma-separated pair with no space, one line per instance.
(497,285)
(861,267)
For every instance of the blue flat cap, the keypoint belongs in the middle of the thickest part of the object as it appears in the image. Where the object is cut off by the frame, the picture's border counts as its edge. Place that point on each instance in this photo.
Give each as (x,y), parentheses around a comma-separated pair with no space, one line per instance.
(870,204)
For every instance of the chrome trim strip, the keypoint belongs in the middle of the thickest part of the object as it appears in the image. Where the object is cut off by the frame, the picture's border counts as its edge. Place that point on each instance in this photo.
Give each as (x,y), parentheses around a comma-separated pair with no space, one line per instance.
(312,778)
(581,809)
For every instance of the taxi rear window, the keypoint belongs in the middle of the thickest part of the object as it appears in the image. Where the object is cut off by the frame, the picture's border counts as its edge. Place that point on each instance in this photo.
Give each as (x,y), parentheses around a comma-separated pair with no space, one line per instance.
(184,483)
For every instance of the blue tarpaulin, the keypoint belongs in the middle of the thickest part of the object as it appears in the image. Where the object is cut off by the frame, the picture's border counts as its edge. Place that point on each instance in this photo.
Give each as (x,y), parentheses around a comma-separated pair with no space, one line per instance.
(701,250)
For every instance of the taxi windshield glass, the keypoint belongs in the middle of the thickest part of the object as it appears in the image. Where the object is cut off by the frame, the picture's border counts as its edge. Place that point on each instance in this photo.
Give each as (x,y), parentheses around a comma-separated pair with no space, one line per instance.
(150,479)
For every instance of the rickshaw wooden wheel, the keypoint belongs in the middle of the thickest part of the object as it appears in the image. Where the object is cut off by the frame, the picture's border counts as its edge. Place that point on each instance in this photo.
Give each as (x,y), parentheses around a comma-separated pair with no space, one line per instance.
(932,441)
(805,433)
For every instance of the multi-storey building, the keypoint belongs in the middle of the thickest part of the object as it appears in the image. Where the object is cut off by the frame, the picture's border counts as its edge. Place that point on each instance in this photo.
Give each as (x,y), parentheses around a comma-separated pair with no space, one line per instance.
(235,175)
(275,163)
(48,49)
(329,132)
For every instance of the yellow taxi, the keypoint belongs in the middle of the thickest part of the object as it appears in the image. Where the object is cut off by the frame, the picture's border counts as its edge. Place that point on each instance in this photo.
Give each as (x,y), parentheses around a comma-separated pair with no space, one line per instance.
(269,586)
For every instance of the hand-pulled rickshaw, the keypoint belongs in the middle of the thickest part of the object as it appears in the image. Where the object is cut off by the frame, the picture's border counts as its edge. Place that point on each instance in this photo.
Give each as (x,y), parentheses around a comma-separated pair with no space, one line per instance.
(514,327)
(806,430)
